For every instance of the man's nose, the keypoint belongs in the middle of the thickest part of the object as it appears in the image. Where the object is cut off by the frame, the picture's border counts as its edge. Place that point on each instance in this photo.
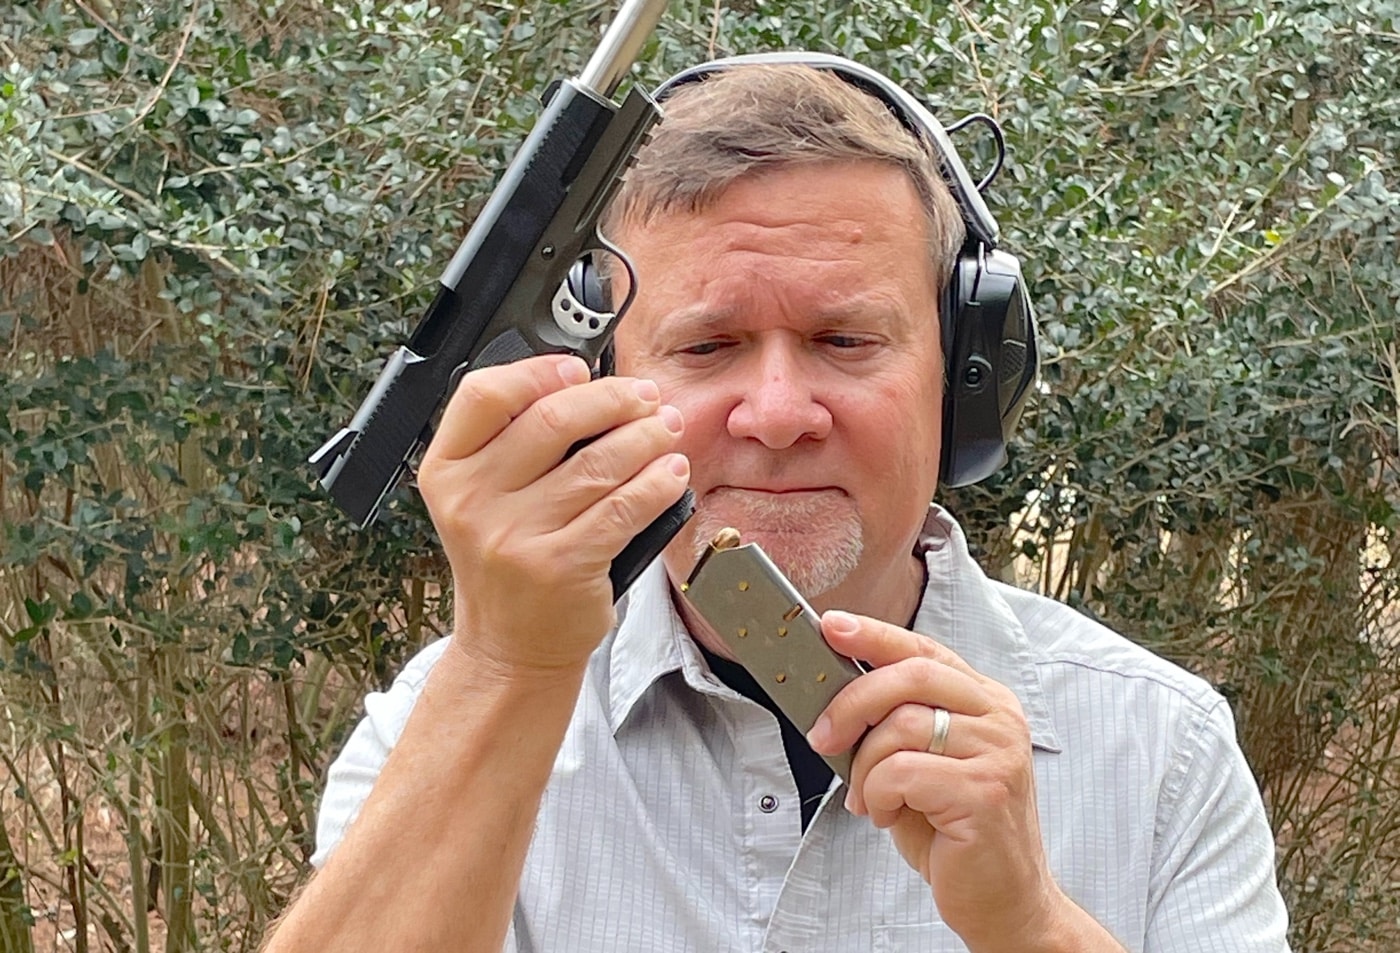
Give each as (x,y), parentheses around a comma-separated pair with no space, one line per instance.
(779,404)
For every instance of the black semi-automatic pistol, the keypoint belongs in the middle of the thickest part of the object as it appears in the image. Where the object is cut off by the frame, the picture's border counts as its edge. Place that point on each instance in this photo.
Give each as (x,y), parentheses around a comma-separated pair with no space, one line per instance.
(506,294)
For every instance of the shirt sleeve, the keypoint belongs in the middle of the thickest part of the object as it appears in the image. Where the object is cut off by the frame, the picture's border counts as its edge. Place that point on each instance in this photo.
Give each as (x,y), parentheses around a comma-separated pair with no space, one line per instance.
(355,770)
(1214,885)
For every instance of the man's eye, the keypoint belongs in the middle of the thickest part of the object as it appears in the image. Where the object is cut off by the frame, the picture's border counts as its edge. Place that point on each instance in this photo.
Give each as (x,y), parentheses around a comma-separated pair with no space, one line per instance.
(705,347)
(842,340)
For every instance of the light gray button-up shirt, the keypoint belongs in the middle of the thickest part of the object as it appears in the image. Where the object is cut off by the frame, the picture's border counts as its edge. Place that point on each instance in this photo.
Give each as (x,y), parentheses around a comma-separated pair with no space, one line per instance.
(671,821)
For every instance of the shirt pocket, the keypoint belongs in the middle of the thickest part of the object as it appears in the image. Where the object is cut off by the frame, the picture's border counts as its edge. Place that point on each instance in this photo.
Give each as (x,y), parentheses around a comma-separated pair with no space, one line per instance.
(917,938)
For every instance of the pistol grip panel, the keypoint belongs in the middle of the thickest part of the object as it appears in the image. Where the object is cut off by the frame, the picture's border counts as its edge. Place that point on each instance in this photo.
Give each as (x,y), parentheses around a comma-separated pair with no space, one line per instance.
(649,543)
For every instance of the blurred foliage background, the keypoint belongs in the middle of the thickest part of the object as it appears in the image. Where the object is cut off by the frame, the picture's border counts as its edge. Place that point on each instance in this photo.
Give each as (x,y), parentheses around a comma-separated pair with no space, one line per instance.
(217,219)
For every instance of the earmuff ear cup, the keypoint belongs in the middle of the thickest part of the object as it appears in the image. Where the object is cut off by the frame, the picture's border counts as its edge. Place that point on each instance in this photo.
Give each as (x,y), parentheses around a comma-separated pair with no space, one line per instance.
(991,359)
(586,285)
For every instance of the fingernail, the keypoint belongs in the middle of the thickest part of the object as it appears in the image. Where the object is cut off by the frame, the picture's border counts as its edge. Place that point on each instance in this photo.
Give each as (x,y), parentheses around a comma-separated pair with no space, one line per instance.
(646,390)
(672,418)
(850,801)
(842,623)
(574,371)
(679,465)
(820,733)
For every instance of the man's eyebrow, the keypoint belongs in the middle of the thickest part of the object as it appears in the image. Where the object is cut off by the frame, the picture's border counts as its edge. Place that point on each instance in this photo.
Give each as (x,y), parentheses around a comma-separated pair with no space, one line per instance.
(699,319)
(857,313)
(852,312)
(861,312)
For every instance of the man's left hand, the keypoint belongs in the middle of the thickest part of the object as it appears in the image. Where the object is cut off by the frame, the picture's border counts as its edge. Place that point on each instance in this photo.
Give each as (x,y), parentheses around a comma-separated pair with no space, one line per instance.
(964,818)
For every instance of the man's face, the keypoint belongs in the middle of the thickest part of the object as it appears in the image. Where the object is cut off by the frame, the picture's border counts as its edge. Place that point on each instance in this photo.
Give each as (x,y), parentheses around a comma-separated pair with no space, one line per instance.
(795,325)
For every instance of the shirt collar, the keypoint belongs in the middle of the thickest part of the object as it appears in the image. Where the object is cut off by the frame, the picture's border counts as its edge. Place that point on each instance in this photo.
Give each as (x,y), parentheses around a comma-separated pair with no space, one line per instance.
(650,641)
(959,608)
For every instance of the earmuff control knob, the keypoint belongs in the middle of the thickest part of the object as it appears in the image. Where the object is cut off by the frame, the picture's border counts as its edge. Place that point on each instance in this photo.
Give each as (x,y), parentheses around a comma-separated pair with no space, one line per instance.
(976,374)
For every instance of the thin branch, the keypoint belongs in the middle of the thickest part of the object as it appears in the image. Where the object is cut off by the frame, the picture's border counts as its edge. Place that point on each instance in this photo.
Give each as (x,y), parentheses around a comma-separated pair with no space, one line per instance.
(159,91)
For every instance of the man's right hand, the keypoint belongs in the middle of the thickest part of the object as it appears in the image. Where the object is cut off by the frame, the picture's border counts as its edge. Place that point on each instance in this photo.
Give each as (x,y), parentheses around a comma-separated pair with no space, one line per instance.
(530,535)
(433,859)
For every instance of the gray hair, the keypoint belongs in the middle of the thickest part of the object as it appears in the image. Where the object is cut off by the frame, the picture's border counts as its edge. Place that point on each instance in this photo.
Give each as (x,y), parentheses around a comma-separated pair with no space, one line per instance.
(750,119)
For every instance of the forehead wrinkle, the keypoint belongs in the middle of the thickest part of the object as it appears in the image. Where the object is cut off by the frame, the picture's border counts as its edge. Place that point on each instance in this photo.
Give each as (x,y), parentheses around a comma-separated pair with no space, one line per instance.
(756,236)
(746,251)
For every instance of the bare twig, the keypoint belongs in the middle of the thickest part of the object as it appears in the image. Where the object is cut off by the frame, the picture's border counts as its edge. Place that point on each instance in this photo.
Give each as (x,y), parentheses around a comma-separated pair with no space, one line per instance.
(159,91)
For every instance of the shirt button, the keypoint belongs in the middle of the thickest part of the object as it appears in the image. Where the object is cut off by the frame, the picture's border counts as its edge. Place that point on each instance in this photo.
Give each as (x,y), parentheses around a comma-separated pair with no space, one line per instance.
(768,804)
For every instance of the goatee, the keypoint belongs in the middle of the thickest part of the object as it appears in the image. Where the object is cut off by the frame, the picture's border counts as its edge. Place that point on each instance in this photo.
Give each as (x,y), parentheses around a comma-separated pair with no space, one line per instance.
(814,538)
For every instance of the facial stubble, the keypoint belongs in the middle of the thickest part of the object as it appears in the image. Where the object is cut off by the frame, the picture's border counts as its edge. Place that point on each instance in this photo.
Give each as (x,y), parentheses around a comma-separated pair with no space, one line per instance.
(814,538)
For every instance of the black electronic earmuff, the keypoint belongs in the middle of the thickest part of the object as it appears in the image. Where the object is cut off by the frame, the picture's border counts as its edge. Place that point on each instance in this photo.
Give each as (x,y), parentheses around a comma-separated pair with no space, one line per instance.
(987,329)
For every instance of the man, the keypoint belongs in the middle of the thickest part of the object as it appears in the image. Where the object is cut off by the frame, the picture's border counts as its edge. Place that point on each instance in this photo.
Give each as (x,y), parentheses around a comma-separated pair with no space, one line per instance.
(550,780)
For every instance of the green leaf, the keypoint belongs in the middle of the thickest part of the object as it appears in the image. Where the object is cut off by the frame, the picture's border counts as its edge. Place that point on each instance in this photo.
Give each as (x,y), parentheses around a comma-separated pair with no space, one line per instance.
(80,606)
(81,38)
(40,613)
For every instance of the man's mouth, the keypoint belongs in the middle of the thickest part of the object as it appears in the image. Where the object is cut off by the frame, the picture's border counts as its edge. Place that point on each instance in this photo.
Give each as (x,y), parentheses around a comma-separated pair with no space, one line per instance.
(775,490)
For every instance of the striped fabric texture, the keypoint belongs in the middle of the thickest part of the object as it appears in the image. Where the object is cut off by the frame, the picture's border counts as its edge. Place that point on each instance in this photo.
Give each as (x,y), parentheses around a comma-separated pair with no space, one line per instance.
(671,822)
